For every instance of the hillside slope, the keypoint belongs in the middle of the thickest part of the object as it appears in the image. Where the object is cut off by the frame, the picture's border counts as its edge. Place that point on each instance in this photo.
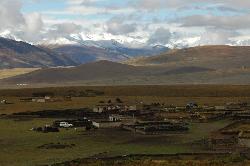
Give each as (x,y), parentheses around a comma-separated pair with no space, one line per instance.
(105,72)
(14,54)
(215,57)
(90,71)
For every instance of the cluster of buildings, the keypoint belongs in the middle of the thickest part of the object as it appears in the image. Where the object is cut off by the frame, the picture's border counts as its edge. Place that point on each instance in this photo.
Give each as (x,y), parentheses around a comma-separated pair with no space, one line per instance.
(46,99)
(107,107)
(137,118)
(158,118)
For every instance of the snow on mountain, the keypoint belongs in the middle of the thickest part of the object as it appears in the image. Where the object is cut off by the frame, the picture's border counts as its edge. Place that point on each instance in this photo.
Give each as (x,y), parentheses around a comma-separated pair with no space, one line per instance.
(185,42)
(7,34)
(83,48)
(108,42)
(242,42)
(58,41)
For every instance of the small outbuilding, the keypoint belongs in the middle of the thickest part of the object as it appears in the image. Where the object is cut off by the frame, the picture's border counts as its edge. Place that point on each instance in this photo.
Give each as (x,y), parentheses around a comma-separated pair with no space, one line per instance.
(3,102)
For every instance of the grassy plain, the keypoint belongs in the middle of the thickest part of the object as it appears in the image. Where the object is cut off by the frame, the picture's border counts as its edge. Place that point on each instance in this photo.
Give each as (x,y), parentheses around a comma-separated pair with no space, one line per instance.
(19,145)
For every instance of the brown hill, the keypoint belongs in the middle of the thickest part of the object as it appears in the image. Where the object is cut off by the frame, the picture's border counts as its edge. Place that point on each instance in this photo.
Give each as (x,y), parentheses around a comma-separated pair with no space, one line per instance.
(90,71)
(215,57)
(102,72)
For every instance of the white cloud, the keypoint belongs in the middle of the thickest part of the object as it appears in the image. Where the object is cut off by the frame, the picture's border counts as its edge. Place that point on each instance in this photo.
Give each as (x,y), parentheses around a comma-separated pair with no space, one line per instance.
(10,15)
(135,22)
(34,23)
(216,37)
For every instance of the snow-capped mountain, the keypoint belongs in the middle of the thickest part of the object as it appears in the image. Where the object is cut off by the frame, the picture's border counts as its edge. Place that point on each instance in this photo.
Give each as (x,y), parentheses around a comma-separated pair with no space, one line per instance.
(104,43)
(89,51)
(184,42)
(8,35)
(84,49)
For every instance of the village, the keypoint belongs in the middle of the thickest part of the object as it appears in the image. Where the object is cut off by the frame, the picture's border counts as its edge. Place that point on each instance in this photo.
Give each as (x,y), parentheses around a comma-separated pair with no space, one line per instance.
(150,119)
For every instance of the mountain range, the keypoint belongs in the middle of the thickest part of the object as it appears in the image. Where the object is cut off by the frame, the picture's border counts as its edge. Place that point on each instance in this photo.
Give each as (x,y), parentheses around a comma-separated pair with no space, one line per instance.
(90,53)
(110,62)
(18,54)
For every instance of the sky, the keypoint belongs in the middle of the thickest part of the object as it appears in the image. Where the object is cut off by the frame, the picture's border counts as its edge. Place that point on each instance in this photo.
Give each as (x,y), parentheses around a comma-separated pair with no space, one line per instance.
(133,22)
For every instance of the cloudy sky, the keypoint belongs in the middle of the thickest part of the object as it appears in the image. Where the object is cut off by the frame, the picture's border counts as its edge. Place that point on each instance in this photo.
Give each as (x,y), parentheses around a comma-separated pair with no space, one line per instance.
(137,22)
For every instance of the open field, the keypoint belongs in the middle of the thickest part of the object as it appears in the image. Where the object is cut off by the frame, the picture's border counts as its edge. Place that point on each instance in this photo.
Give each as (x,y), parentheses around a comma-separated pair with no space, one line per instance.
(19,145)
(6,73)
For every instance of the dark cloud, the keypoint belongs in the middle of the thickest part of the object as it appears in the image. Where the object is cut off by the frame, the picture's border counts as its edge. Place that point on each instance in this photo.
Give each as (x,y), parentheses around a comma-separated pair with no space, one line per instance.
(88,3)
(161,4)
(118,26)
(224,22)
(63,30)
(160,36)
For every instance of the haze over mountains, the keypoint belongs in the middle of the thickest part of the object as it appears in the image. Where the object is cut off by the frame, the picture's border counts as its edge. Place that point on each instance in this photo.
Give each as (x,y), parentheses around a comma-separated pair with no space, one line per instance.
(104,50)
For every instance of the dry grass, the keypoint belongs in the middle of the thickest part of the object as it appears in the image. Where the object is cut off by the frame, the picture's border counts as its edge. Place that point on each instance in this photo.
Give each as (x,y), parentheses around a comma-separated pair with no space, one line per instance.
(6,73)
